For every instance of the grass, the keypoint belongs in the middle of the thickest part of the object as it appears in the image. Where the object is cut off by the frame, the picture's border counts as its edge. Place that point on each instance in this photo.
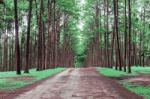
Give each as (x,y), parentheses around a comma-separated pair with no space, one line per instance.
(115,73)
(9,84)
(138,89)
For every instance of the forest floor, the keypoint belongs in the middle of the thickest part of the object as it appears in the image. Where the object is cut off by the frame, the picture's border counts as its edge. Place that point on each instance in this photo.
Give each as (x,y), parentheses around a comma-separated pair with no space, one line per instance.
(83,83)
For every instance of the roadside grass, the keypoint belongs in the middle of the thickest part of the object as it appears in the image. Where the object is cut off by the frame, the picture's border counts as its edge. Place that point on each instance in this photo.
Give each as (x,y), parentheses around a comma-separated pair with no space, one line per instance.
(115,73)
(138,89)
(9,84)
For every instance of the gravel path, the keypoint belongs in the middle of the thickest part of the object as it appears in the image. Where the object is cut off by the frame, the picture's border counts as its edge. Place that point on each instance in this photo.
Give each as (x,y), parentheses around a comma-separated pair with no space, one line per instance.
(78,84)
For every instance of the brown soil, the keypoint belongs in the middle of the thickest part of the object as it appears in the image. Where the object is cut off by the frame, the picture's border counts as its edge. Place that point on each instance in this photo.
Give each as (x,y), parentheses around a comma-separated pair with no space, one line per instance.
(74,84)
(25,78)
(142,80)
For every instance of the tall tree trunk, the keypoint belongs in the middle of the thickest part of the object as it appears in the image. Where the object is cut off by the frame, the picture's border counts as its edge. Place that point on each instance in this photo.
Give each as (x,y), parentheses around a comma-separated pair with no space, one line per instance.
(117,34)
(107,38)
(17,47)
(40,38)
(129,25)
(125,37)
(28,38)
(48,46)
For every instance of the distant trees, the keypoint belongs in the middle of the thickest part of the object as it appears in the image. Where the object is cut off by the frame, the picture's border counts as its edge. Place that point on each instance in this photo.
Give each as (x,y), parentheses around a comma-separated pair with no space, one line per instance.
(51,33)
(42,37)
(120,32)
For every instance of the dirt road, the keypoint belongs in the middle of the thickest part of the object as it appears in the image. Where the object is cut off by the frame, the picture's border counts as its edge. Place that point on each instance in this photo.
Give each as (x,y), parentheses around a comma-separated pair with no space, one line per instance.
(78,84)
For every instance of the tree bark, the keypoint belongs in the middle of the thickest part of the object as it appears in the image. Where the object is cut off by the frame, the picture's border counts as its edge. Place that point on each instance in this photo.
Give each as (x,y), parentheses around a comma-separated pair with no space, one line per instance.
(28,38)
(129,25)
(17,47)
